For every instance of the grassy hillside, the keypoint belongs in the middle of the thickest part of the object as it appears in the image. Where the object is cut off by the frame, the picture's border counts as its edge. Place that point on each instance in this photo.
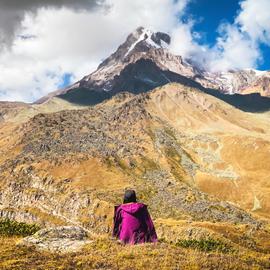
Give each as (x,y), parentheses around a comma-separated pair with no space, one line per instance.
(107,254)
(201,166)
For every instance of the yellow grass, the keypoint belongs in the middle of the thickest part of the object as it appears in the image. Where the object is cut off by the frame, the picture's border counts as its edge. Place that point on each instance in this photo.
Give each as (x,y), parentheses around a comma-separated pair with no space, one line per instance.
(107,254)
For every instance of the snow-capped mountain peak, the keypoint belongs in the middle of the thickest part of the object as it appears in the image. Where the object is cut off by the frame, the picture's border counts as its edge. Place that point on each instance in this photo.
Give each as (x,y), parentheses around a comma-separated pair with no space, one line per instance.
(153,39)
(240,81)
(143,61)
(141,44)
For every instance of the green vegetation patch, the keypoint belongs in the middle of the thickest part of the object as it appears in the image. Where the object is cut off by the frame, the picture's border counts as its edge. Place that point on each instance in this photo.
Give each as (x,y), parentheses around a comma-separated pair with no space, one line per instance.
(174,160)
(170,132)
(148,164)
(172,153)
(206,245)
(11,228)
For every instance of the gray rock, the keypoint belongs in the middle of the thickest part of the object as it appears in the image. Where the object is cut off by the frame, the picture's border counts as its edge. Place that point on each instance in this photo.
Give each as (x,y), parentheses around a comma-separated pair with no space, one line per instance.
(58,239)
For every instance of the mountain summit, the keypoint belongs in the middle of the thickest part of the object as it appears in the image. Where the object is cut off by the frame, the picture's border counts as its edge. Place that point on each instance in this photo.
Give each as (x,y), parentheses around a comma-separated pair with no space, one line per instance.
(144,62)
(141,63)
(137,58)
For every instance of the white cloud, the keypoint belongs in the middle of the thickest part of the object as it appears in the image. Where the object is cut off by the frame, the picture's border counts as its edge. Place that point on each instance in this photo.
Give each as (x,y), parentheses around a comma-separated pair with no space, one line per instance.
(12,13)
(233,50)
(254,19)
(238,45)
(182,40)
(184,43)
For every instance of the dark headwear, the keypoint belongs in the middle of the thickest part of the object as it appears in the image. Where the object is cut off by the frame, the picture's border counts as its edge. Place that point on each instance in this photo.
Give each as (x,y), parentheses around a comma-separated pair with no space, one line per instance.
(130,196)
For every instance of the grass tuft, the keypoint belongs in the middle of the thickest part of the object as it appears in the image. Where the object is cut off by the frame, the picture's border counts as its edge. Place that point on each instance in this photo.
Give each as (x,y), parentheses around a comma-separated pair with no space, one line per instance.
(206,245)
(13,228)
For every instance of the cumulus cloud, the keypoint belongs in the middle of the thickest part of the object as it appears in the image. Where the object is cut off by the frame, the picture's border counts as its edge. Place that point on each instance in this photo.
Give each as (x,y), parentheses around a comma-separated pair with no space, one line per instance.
(238,44)
(233,50)
(184,42)
(12,13)
(254,19)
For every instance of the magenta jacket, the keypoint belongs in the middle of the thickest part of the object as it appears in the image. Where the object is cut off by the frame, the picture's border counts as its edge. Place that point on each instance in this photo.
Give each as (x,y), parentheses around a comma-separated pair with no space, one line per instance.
(133,224)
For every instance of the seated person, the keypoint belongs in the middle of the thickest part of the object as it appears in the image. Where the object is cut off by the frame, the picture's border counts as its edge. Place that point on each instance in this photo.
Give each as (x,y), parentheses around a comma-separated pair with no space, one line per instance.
(132,222)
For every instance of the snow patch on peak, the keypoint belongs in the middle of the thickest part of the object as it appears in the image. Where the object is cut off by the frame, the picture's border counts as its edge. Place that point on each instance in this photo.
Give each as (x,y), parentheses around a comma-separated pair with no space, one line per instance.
(259,72)
(144,34)
(152,43)
(234,81)
(151,38)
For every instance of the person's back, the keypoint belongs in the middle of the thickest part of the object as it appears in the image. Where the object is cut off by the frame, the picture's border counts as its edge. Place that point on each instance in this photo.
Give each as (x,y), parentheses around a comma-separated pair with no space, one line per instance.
(132,222)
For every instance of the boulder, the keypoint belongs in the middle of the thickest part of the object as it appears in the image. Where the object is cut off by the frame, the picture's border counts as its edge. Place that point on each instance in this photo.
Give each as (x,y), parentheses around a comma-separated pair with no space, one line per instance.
(58,239)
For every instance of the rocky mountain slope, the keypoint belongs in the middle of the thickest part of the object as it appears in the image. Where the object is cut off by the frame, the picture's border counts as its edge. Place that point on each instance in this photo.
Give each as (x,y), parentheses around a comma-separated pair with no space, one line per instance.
(200,164)
(189,155)
(242,82)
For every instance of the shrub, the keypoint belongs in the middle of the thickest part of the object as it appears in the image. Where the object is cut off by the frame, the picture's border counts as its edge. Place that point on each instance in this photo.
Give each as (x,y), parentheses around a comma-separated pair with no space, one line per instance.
(206,245)
(11,228)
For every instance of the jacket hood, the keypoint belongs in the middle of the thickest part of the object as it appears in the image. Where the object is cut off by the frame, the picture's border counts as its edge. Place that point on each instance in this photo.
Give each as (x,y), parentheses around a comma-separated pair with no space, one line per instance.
(132,208)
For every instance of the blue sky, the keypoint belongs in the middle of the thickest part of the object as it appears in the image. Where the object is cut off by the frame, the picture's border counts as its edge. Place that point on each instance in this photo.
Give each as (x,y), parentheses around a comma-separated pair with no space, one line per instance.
(66,80)
(265,64)
(209,14)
